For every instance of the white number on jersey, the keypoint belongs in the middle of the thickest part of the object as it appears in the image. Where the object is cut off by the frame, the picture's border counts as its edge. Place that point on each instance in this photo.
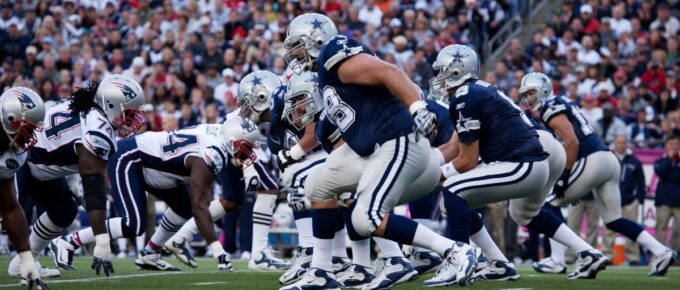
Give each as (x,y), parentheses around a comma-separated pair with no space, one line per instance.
(585,127)
(521,112)
(340,114)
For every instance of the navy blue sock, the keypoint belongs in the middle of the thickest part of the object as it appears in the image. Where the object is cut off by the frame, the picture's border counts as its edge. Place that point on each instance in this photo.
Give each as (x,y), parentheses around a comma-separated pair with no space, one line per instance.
(422,208)
(625,227)
(340,224)
(476,222)
(457,217)
(351,232)
(301,214)
(554,210)
(321,218)
(545,223)
(400,229)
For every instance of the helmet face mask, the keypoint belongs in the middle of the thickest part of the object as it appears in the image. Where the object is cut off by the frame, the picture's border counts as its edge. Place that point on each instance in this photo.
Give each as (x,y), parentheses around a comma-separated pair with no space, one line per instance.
(303,100)
(129,122)
(255,94)
(24,135)
(244,152)
(456,64)
(306,35)
(534,88)
(240,136)
(121,99)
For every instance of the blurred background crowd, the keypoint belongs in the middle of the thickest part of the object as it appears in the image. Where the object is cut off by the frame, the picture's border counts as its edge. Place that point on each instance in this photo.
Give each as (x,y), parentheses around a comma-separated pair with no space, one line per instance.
(617,59)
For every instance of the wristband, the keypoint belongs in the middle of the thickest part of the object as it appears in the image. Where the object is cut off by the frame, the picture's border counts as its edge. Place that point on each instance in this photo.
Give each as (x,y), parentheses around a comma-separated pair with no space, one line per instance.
(102,240)
(417,105)
(440,156)
(296,152)
(216,249)
(449,170)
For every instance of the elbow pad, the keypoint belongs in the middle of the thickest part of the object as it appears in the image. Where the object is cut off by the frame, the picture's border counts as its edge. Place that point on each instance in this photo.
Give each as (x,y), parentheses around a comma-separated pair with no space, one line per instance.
(95,191)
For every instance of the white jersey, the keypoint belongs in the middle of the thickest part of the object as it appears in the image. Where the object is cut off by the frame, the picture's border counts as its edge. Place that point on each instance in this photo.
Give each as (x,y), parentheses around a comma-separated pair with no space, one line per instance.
(54,155)
(164,154)
(10,162)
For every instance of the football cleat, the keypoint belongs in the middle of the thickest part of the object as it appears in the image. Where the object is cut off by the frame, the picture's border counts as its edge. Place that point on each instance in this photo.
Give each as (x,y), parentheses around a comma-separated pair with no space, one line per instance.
(425,261)
(14,269)
(179,247)
(497,271)
(153,261)
(458,267)
(482,262)
(661,263)
(266,259)
(62,253)
(356,276)
(315,279)
(224,263)
(588,263)
(341,264)
(395,270)
(298,266)
(549,266)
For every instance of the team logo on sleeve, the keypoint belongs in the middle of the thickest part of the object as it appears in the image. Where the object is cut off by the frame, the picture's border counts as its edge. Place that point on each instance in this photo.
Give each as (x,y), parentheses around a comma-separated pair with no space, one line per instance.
(26,101)
(11,164)
(128,92)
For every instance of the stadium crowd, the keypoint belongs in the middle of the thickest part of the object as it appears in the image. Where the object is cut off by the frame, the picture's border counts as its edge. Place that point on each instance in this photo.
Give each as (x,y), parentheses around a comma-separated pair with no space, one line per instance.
(618,59)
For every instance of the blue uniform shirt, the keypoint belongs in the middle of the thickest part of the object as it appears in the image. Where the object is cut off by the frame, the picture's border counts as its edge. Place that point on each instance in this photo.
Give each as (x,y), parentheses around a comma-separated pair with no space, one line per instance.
(366,116)
(483,113)
(327,134)
(588,141)
(444,124)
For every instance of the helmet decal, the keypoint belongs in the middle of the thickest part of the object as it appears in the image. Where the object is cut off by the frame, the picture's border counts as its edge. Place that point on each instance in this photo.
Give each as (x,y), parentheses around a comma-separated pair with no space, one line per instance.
(26,102)
(128,92)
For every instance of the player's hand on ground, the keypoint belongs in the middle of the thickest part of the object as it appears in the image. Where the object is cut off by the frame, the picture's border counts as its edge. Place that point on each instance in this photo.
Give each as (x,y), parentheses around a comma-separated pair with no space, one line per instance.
(224,263)
(102,260)
(30,275)
(37,284)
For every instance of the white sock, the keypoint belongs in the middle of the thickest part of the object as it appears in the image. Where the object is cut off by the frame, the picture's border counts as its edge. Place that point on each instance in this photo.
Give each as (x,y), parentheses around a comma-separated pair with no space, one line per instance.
(361,252)
(323,248)
(567,237)
(339,246)
(44,231)
(388,248)
(263,209)
(140,242)
(650,243)
(122,245)
(430,240)
(168,226)
(189,229)
(484,241)
(305,234)
(114,227)
(428,224)
(557,251)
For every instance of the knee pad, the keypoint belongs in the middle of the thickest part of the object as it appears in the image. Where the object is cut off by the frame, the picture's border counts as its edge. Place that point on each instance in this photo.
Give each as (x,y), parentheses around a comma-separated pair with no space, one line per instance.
(361,221)
(65,216)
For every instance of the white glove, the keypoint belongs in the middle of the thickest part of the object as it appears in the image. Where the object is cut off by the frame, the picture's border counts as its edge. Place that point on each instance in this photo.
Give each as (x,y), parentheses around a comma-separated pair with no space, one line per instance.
(297,199)
(102,255)
(222,257)
(29,271)
(425,121)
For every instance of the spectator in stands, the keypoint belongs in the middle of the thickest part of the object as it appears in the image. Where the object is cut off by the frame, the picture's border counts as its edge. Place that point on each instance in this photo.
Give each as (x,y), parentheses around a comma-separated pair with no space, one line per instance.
(591,111)
(639,133)
(226,91)
(633,192)
(667,199)
(590,24)
(670,24)
(370,13)
(654,76)
(609,126)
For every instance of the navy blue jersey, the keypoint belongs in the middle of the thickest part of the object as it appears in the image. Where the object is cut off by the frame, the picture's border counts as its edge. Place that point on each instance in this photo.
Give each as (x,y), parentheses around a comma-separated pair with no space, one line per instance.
(535,121)
(588,141)
(366,116)
(282,135)
(327,134)
(444,124)
(485,114)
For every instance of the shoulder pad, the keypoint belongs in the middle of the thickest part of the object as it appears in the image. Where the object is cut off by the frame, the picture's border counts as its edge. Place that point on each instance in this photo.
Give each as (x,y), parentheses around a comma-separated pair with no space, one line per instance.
(462,91)
(338,49)
(482,83)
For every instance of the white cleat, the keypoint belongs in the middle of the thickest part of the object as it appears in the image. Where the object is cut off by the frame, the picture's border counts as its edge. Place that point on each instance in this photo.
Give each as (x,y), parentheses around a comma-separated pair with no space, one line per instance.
(356,276)
(62,253)
(426,261)
(298,266)
(588,263)
(14,269)
(458,267)
(266,259)
(179,247)
(153,261)
(661,263)
(549,266)
(497,271)
(395,270)
(315,279)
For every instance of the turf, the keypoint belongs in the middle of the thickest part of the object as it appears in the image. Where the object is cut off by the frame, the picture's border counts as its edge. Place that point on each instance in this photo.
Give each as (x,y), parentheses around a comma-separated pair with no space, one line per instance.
(207,277)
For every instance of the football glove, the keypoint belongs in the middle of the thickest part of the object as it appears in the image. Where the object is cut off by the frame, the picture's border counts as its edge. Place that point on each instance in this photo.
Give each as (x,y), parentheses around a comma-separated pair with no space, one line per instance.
(562,184)
(297,199)
(224,263)
(29,272)
(252,183)
(425,121)
(102,255)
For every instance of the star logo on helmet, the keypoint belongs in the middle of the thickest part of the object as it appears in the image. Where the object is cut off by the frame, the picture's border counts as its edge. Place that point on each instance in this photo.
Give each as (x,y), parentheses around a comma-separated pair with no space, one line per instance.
(26,101)
(257,81)
(317,24)
(458,57)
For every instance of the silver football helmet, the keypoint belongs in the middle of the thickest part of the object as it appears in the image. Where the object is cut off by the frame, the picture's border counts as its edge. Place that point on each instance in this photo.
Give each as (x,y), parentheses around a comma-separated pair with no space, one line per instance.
(21,113)
(255,93)
(121,99)
(241,136)
(303,100)
(456,64)
(306,35)
(535,88)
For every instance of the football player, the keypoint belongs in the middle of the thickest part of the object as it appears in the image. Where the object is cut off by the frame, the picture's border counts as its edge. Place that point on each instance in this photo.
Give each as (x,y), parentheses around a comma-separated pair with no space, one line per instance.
(21,115)
(165,164)
(590,165)
(79,137)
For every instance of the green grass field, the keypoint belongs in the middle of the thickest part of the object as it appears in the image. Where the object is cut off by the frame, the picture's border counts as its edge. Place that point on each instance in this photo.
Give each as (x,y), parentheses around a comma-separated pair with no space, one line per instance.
(207,277)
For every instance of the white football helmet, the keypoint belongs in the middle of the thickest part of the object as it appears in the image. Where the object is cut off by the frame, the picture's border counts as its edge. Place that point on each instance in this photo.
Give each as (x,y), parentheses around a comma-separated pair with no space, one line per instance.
(21,114)
(456,64)
(534,89)
(255,93)
(303,100)
(241,136)
(121,99)
(306,35)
